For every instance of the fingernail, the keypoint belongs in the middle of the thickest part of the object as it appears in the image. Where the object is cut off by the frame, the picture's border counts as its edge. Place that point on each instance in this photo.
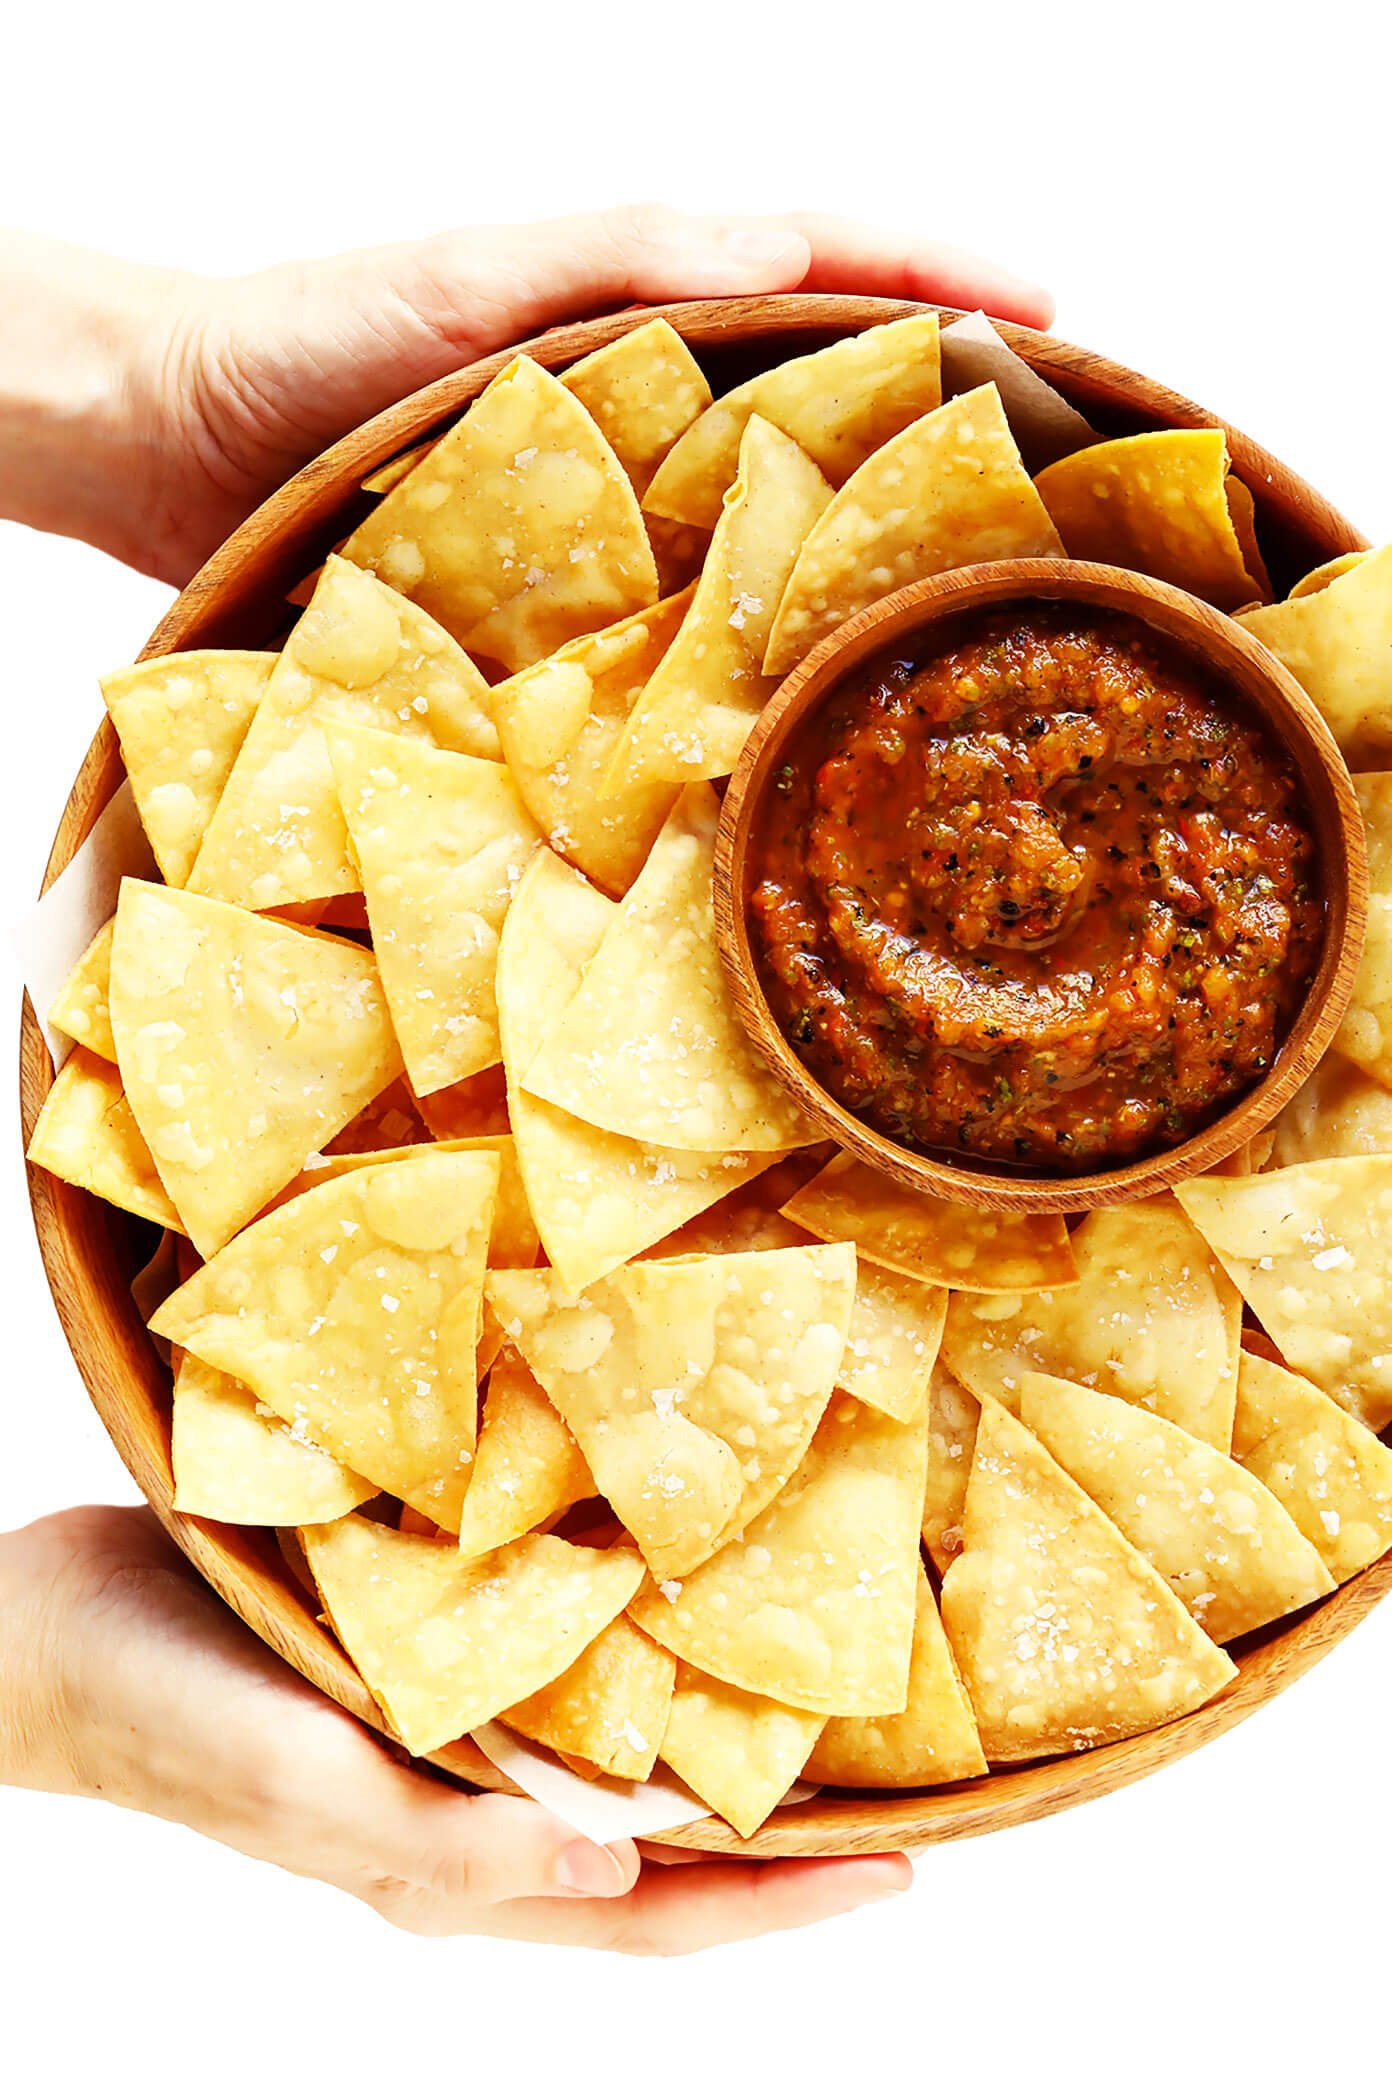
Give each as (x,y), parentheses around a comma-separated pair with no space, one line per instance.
(587,1868)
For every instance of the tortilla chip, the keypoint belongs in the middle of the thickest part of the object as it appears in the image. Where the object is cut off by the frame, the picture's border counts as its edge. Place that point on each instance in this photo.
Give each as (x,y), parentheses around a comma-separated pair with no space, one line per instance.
(933,1740)
(181,721)
(1310,1249)
(952,1417)
(472,1108)
(86,1134)
(1336,643)
(929,1239)
(816,1606)
(949,491)
(1041,419)
(692,1387)
(838,405)
(741,1753)
(1151,1319)
(609,1708)
(1065,1636)
(643,391)
(440,841)
(244,1045)
(528,1468)
(237,1462)
(651,1045)
(1242,510)
(1225,1544)
(353,1312)
(360,655)
(560,722)
(1156,503)
(389,1121)
(678,551)
(1328,1471)
(445,1643)
(512,1242)
(391,474)
(519,529)
(1338,1113)
(1321,575)
(82,1010)
(1365,1034)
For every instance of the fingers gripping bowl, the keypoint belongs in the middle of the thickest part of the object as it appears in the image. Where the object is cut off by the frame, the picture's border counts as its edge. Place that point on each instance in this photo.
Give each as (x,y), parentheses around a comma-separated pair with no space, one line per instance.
(960,1289)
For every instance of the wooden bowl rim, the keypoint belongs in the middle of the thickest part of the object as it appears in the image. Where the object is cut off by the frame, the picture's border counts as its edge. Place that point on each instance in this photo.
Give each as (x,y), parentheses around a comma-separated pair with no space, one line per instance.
(1220,644)
(238,1563)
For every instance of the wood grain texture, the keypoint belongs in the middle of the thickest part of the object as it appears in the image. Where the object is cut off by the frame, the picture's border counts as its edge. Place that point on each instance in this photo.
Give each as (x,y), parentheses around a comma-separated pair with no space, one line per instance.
(1256,683)
(90,1251)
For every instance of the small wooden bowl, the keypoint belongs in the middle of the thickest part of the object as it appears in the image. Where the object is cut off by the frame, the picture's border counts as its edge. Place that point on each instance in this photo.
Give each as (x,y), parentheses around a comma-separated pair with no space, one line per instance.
(1261,689)
(91,1251)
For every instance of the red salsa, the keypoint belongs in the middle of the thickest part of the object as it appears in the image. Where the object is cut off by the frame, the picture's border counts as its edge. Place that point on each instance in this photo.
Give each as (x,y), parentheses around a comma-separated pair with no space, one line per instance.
(1035,894)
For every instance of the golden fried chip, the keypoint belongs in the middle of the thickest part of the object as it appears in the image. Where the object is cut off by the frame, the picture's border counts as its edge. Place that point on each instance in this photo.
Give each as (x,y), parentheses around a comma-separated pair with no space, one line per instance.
(651,1045)
(643,391)
(692,1387)
(838,405)
(1339,1112)
(741,1753)
(1365,1034)
(929,1239)
(1158,503)
(472,1108)
(1065,1636)
(512,1242)
(1152,1318)
(82,1010)
(86,1134)
(528,1467)
(816,1605)
(949,491)
(609,1708)
(952,1417)
(697,711)
(1224,1543)
(1336,643)
(519,529)
(181,721)
(1310,1249)
(244,1046)
(446,1643)
(1321,575)
(360,655)
(560,723)
(353,1311)
(1331,1474)
(933,1740)
(236,1461)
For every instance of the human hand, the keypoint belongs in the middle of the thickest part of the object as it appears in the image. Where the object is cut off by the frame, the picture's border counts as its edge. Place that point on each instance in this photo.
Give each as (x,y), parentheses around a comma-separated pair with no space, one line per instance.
(123,1677)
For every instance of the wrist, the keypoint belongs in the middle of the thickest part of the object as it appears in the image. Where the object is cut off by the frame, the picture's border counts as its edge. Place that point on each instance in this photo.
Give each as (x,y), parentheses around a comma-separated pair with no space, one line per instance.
(38,1750)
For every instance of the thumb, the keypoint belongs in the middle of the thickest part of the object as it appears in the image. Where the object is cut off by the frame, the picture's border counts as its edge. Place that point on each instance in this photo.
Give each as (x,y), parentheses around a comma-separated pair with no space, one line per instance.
(484,1850)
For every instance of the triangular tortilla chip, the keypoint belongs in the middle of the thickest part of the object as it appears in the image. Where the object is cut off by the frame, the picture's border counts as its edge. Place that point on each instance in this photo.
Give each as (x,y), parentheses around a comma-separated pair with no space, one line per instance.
(1332,1475)
(236,1461)
(838,405)
(519,529)
(815,1606)
(949,491)
(1065,1636)
(697,711)
(528,1467)
(82,1010)
(472,1108)
(929,1239)
(952,1417)
(560,723)
(388,1121)
(1151,1318)
(609,1708)
(1365,1034)
(86,1134)
(692,1387)
(1156,503)
(446,1643)
(1310,1249)
(181,721)
(1224,1543)
(360,655)
(933,1740)
(643,391)
(440,841)
(741,1753)
(1338,1113)
(512,1241)
(1336,642)
(1321,575)
(353,1312)
(598,1198)
(244,1046)
(651,1045)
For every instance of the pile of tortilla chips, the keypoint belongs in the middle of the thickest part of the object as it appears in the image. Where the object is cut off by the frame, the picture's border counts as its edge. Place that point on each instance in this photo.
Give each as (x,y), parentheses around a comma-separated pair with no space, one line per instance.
(602,1399)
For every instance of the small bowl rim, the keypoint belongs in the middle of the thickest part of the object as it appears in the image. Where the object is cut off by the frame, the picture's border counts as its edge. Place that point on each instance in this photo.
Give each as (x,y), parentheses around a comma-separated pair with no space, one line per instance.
(1217,640)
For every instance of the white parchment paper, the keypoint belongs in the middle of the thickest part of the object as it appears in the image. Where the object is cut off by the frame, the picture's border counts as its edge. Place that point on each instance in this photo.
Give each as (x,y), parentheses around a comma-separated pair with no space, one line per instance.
(1043,423)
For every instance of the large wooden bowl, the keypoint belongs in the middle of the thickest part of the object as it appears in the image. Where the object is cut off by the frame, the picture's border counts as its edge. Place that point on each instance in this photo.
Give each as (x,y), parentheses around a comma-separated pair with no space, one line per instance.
(91,1251)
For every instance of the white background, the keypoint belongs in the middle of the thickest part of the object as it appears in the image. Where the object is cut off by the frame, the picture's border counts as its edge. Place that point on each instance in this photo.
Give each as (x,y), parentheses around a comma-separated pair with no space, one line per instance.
(1206,193)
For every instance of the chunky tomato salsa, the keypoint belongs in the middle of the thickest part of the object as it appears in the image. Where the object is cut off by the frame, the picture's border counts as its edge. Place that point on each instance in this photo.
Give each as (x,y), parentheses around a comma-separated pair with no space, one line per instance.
(1034,894)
